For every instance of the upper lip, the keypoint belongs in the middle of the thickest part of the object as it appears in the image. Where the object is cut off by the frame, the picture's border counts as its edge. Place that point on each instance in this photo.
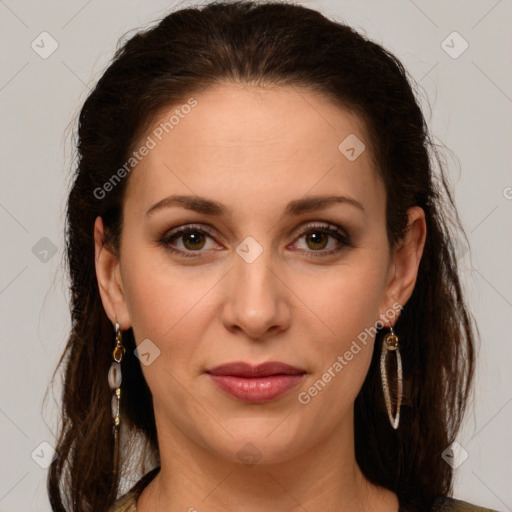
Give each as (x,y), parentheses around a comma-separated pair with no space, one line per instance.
(243,369)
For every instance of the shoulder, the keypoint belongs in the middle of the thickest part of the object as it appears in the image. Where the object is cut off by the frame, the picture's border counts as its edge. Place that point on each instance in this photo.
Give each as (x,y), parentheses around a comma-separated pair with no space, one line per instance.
(446,504)
(128,502)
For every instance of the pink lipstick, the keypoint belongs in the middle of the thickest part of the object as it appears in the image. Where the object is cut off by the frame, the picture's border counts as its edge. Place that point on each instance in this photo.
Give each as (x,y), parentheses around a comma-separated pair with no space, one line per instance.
(256,384)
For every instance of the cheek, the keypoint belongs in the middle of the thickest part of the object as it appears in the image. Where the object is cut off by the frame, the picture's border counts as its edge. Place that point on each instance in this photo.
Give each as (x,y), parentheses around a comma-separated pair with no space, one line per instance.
(170,307)
(344,351)
(167,304)
(346,308)
(345,302)
(175,308)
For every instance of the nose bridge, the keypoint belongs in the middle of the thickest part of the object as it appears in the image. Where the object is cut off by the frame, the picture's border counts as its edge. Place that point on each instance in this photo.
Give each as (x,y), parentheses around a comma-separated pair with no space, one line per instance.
(256,301)
(253,270)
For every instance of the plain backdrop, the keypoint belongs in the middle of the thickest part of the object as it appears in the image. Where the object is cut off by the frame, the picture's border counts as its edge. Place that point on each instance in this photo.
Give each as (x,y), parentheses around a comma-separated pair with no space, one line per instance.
(464,81)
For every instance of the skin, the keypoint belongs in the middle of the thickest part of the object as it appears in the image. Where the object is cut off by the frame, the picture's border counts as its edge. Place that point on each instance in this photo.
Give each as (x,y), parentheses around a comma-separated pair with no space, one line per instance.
(254,149)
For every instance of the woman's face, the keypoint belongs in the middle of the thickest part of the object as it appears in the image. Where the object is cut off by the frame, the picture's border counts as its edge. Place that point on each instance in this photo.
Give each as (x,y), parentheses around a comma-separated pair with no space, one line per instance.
(258,276)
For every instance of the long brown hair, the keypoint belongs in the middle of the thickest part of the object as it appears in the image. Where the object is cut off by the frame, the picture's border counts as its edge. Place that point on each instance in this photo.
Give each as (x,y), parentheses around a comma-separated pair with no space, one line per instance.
(265,43)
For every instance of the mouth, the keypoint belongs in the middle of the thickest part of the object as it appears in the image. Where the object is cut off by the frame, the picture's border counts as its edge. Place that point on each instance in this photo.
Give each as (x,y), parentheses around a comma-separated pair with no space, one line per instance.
(256,384)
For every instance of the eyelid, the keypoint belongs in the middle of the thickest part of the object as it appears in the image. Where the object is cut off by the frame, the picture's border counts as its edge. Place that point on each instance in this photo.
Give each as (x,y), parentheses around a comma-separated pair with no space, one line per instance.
(185,228)
(332,230)
(321,225)
(329,228)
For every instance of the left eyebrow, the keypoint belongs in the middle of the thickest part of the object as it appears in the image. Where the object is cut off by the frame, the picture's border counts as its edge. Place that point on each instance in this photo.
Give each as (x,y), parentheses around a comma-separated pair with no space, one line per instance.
(314,203)
(210,207)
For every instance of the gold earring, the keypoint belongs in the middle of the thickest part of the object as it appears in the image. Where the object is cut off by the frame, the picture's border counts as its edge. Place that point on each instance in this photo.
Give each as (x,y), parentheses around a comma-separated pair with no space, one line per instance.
(114,381)
(390,344)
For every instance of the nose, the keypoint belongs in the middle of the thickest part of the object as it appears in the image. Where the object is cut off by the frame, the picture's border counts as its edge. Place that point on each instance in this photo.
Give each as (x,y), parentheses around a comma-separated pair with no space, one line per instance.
(257,298)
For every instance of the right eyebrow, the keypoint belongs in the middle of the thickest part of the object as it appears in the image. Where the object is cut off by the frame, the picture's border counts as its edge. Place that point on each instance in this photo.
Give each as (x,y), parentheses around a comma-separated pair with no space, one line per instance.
(210,207)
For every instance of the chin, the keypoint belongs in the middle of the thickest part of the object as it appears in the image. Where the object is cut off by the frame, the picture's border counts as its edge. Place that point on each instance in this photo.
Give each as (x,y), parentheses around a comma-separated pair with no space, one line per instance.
(259,442)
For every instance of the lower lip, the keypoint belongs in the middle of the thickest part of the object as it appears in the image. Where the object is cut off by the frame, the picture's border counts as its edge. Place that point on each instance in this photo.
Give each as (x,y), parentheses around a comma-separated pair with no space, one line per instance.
(257,389)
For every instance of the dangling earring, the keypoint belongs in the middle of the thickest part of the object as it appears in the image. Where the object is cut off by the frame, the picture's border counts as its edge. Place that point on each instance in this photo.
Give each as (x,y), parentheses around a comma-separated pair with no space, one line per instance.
(114,381)
(390,344)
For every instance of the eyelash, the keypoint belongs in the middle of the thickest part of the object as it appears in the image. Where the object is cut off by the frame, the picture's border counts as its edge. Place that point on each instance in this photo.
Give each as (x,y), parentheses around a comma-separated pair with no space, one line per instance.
(328,229)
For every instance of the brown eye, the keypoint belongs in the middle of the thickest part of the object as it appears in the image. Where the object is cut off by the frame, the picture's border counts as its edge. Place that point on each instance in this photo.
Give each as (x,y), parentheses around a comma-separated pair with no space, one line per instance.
(322,240)
(193,240)
(189,241)
(317,240)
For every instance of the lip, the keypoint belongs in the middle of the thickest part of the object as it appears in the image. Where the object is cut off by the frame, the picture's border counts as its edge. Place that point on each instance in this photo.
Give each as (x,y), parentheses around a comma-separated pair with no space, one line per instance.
(256,384)
(243,369)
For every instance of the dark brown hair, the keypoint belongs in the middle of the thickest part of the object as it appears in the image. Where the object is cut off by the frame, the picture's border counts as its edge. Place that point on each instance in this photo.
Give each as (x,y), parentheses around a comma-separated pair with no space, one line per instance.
(267,43)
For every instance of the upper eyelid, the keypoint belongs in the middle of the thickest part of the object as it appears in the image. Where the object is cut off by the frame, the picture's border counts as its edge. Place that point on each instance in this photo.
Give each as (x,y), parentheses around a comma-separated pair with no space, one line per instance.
(210,231)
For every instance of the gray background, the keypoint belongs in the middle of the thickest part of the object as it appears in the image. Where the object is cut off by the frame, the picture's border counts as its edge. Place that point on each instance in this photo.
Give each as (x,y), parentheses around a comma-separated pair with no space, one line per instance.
(468,104)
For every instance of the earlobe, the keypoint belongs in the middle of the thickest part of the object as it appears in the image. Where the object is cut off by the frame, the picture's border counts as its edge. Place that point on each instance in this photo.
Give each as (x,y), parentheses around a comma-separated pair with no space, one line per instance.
(406,259)
(109,279)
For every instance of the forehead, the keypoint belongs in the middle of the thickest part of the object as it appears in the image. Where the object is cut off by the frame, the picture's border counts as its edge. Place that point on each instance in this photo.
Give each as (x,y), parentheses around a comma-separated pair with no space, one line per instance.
(259,139)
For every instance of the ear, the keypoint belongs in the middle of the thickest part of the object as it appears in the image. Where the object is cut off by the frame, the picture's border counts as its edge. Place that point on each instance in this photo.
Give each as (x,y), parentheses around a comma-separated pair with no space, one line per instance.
(109,279)
(405,262)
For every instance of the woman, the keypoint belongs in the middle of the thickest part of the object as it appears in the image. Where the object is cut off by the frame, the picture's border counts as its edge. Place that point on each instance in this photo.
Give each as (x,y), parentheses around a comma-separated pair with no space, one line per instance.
(264,285)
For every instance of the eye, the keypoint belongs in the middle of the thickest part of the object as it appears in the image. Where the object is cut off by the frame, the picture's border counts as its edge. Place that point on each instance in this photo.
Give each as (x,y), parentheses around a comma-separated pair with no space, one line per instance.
(316,238)
(191,239)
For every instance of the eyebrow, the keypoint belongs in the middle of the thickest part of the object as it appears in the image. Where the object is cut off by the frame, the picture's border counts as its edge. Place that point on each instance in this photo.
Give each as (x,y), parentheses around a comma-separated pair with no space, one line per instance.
(210,207)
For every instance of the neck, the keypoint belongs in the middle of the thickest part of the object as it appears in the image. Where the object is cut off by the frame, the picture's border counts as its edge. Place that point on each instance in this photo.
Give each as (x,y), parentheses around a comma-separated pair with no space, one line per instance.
(324,477)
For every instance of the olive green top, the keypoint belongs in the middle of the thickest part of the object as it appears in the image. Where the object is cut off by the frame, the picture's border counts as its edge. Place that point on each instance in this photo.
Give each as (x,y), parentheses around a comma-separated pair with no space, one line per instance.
(128,502)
